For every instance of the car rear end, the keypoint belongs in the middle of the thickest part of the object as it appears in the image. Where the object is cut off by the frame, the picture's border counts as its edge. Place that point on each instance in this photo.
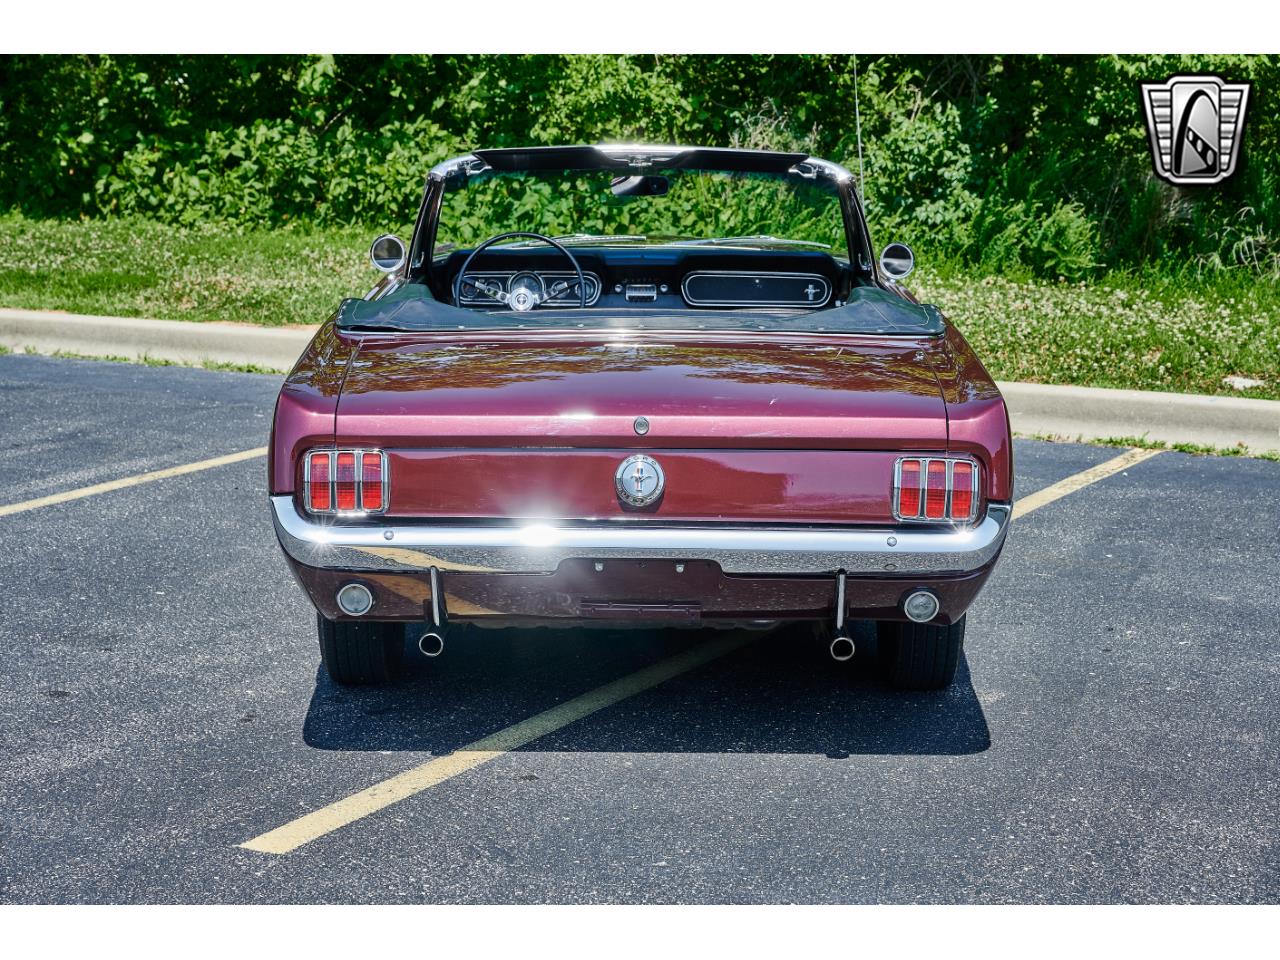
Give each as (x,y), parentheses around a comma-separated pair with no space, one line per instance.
(481,480)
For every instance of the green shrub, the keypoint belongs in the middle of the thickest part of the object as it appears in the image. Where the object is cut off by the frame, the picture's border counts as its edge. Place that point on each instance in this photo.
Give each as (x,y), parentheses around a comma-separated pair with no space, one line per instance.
(1060,243)
(277,172)
(1039,164)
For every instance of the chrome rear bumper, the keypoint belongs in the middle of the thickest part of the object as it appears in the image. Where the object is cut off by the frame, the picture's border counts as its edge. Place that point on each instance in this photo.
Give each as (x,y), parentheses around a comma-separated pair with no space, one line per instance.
(540,547)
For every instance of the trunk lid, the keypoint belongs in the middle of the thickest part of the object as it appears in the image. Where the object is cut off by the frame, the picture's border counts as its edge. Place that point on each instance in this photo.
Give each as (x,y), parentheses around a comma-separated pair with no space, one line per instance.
(783,430)
(556,391)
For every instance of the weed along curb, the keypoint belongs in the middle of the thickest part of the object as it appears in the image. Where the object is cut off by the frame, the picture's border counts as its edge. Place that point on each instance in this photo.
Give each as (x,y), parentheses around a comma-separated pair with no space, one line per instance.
(1088,413)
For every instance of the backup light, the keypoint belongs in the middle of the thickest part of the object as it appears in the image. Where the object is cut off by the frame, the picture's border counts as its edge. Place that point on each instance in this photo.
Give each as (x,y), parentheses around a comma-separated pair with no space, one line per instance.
(354,599)
(935,490)
(921,606)
(345,482)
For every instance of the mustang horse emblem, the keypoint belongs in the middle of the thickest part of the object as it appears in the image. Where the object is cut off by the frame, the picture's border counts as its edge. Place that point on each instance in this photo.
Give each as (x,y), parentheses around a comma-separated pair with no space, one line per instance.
(639,480)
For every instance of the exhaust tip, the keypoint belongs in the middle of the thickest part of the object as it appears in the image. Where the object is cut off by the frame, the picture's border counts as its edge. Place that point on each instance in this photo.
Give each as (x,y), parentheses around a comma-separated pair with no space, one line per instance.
(921,606)
(354,599)
(842,648)
(431,644)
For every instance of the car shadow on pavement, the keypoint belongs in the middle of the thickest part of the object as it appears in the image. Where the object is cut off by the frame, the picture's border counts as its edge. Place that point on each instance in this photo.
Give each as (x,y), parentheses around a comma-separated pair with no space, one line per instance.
(780,693)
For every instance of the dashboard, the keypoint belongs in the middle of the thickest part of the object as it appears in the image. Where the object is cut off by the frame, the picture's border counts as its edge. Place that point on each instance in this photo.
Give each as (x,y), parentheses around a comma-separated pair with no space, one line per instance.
(668,277)
(555,288)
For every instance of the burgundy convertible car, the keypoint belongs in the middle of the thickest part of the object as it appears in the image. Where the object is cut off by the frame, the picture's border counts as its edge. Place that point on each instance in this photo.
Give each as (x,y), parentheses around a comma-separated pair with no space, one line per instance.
(694,397)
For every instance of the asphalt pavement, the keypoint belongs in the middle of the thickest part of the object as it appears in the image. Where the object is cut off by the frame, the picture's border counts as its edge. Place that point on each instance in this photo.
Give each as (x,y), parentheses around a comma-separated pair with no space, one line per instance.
(1111,736)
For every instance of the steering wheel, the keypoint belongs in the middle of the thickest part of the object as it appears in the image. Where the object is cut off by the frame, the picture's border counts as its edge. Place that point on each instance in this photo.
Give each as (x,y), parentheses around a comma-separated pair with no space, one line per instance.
(528,295)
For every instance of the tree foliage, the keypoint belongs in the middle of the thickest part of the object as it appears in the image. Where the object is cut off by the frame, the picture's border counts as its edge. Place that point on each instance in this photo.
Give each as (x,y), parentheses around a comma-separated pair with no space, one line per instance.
(1037,164)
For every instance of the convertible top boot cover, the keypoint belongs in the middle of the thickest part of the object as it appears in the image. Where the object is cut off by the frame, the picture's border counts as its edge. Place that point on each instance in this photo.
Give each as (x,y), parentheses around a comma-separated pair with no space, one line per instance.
(869,310)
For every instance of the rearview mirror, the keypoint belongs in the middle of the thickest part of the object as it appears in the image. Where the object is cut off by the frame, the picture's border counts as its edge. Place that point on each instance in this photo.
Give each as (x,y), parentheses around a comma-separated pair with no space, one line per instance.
(897,261)
(650,186)
(387,253)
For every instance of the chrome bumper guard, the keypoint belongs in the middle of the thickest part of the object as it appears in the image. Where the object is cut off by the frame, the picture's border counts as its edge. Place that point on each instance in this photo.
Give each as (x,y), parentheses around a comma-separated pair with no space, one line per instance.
(540,547)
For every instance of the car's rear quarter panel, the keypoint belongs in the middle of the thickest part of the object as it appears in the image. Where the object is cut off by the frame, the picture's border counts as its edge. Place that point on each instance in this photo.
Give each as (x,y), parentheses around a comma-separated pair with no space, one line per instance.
(307,406)
(977,419)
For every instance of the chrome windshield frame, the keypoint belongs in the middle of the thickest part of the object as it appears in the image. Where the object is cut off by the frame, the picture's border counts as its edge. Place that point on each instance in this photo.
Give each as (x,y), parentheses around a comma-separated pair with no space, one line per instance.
(640,157)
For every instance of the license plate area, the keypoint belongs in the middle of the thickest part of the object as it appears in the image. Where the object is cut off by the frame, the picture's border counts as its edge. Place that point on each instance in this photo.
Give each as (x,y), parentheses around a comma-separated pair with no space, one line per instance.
(663,590)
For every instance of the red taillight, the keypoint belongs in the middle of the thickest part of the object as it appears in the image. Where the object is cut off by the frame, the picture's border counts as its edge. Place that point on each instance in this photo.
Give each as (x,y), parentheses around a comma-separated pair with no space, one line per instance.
(935,488)
(961,490)
(318,498)
(909,489)
(371,481)
(345,481)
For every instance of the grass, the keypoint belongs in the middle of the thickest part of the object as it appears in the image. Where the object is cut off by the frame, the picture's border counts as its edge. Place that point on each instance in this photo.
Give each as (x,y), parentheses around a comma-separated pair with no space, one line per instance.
(149,361)
(136,268)
(1141,332)
(1195,449)
(1146,332)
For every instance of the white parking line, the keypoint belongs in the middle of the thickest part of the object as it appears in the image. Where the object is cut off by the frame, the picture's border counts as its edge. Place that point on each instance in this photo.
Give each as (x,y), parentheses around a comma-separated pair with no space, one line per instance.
(294,834)
(1080,480)
(133,481)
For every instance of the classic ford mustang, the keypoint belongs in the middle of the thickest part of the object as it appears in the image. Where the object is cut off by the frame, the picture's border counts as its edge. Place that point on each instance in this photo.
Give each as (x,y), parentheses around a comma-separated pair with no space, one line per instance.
(693,397)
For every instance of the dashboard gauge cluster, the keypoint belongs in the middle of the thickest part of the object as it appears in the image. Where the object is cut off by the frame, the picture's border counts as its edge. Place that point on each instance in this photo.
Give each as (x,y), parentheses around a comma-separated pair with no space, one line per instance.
(554,288)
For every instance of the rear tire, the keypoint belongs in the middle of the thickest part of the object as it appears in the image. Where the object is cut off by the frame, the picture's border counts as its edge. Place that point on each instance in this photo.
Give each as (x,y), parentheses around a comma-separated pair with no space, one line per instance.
(359,653)
(920,656)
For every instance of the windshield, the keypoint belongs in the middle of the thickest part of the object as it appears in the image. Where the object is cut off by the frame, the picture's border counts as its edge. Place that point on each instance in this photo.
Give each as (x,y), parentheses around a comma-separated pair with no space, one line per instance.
(659,207)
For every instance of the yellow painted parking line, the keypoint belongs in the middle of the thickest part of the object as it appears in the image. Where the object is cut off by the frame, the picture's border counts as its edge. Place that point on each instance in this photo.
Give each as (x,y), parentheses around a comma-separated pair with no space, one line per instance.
(1080,480)
(327,819)
(317,824)
(131,481)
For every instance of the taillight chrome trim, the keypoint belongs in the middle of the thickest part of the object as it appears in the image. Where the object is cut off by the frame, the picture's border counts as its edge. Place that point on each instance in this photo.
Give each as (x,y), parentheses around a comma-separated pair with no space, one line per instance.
(975,499)
(332,454)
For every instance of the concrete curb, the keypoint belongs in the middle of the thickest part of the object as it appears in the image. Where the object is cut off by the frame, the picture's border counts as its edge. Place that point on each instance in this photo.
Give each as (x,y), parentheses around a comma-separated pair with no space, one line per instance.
(1088,413)
(276,348)
(1092,413)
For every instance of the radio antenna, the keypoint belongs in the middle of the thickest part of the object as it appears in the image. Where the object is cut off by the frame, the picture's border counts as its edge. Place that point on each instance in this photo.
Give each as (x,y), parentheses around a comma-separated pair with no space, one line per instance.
(857,114)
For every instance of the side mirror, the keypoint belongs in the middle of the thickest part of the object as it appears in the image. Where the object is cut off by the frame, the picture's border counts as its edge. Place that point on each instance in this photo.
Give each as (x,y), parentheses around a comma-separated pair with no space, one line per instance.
(387,253)
(897,261)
